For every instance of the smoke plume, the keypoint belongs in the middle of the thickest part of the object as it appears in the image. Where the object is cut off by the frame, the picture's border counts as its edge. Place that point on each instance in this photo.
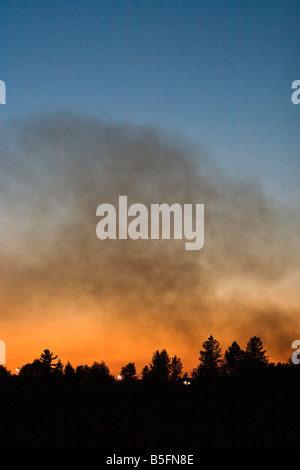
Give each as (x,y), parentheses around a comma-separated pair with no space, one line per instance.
(56,170)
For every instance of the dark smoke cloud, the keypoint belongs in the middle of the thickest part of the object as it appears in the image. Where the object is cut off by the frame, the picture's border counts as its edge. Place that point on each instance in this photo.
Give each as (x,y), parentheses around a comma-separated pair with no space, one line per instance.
(56,170)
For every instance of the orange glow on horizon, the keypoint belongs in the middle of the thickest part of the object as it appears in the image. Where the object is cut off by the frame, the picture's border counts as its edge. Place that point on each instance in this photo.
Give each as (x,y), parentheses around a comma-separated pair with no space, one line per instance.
(81,341)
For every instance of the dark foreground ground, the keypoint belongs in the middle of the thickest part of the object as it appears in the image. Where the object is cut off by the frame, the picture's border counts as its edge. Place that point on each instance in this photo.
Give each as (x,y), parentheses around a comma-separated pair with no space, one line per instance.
(226,413)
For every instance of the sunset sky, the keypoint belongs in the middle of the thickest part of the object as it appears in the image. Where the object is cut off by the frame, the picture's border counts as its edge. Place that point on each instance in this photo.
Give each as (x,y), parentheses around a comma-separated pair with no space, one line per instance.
(162,101)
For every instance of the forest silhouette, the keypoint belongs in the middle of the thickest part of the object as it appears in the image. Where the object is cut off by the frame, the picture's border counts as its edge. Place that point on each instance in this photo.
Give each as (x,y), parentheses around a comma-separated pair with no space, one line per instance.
(236,400)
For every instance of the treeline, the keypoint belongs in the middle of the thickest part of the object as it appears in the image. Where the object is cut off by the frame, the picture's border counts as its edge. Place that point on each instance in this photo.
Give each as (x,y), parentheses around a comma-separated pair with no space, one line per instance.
(212,363)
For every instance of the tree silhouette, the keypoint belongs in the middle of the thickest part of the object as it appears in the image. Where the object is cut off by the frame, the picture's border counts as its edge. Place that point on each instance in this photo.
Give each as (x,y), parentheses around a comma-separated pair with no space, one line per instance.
(175,368)
(36,369)
(210,360)
(128,372)
(255,355)
(100,371)
(82,371)
(58,368)
(4,374)
(146,373)
(47,358)
(233,358)
(160,365)
(69,369)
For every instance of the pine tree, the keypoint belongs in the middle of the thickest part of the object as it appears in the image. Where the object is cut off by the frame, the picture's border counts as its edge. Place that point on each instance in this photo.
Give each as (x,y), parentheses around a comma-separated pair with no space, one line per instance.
(255,354)
(47,358)
(160,365)
(210,360)
(69,369)
(233,358)
(175,368)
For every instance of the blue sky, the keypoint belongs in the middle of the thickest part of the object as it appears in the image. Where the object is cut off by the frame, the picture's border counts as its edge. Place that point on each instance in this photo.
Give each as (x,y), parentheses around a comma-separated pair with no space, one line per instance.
(218,71)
